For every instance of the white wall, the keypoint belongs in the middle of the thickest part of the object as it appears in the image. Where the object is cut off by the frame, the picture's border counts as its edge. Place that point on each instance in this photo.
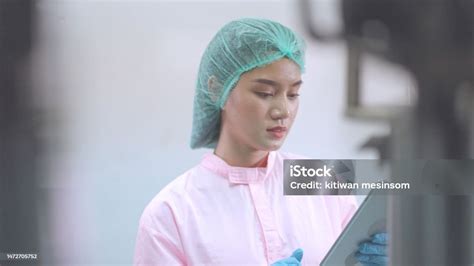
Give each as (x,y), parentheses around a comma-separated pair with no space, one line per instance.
(118,78)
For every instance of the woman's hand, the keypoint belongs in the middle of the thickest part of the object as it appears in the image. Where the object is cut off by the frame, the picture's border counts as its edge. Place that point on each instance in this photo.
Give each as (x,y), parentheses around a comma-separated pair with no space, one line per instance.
(293,260)
(373,251)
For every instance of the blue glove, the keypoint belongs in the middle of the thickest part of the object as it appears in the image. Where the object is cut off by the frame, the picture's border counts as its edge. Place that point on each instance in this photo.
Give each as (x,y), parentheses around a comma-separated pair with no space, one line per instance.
(293,260)
(373,251)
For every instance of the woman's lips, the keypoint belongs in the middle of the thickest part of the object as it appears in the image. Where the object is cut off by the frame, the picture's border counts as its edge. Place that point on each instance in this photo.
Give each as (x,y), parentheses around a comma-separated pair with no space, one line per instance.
(277,132)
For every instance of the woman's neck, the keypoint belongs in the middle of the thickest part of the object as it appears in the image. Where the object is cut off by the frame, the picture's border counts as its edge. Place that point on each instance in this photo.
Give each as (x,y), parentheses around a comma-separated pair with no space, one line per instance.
(241,156)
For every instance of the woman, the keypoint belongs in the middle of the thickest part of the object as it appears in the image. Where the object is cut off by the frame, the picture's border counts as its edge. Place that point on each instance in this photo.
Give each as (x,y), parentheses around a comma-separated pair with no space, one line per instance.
(230,209)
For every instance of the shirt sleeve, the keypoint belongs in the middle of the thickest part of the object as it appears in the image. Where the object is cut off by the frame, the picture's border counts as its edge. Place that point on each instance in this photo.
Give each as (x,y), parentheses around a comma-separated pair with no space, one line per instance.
(158,241)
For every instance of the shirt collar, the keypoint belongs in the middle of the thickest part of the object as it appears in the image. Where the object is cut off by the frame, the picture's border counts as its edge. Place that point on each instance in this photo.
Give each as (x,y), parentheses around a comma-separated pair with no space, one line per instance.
(238,175)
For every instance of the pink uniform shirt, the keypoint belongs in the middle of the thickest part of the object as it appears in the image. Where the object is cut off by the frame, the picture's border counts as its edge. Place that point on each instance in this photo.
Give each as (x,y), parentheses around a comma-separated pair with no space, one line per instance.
(216,214)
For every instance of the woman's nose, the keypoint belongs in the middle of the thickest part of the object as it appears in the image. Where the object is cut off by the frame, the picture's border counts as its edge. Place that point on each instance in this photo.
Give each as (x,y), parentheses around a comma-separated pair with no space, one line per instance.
(280,111)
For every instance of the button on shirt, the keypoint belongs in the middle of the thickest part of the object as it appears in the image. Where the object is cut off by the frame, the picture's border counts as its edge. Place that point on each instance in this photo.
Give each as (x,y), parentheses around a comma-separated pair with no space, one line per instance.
(216,214)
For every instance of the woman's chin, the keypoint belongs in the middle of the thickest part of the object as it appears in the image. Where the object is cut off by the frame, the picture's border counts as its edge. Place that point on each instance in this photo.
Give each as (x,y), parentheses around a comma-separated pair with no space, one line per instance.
(272,145)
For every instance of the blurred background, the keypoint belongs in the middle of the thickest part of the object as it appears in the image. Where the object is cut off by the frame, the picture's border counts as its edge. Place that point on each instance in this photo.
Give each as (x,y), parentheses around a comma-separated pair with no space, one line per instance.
(111,86)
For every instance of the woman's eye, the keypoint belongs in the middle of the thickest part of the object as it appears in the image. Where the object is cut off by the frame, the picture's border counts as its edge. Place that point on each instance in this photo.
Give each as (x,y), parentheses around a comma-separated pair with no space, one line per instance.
(264,94)
(293,95)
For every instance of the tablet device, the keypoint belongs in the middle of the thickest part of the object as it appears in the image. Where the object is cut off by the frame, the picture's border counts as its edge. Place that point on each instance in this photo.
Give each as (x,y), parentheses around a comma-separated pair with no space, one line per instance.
(369,219)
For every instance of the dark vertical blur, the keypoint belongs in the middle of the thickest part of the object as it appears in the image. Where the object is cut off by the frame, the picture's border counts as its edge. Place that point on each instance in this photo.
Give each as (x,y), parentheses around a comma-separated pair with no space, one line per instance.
(434,41)
(19,143)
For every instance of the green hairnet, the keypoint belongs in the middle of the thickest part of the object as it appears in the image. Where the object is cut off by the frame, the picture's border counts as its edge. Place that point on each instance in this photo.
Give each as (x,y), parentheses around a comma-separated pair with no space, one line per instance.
(238,47)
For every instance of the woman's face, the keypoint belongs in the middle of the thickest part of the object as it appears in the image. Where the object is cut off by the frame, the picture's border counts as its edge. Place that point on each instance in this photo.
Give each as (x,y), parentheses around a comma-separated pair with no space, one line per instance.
(260,110)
